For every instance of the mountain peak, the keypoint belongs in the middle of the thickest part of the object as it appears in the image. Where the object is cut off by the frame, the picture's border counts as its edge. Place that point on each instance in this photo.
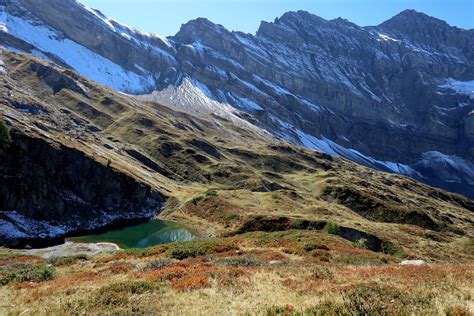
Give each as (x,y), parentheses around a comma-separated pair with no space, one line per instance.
(412,19)
(299,17)
(198,28)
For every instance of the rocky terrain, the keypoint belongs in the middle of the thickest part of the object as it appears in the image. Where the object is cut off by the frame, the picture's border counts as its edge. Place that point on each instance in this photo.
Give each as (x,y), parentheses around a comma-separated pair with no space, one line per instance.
(396,97)
(284,229)
(84,157)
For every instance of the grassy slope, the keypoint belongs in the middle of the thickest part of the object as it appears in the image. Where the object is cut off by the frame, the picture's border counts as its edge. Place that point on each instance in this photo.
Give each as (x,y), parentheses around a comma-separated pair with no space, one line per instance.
(255,273)
(225,180)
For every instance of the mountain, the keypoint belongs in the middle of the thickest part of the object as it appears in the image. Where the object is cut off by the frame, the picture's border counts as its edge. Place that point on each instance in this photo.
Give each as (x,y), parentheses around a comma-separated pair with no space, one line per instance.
(103,126)
(85,157)
(396,97)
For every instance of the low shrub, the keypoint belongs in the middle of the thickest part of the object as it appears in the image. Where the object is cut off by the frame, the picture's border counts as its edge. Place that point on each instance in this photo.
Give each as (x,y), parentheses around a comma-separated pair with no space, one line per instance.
(67,260)
(457,311)
(361,243)
(186,251)
(319,273)
(118,294)
(241,261)
(131,287)
(332,228)
(190,283)
(313,246)
(197,199)
(358,259)
(376,299)
(232,217)
(157,264)
(196,248)
(21,272)
(326,308)
(211,193)
(390,249)
(280,310)
(147,252)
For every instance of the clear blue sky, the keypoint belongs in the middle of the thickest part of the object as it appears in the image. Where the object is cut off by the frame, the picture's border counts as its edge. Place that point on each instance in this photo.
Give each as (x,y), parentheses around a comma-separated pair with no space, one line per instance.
(165,17)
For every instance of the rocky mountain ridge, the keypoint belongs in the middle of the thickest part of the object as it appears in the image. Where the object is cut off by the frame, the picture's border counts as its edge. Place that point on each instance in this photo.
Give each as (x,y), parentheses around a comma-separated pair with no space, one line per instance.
(396,97)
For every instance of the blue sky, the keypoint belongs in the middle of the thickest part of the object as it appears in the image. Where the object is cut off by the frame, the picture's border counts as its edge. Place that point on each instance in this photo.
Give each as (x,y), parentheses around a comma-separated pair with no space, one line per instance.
(165,17)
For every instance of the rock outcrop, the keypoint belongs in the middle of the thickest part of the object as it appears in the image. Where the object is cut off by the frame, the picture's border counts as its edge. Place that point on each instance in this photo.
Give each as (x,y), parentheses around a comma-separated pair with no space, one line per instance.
(48,191)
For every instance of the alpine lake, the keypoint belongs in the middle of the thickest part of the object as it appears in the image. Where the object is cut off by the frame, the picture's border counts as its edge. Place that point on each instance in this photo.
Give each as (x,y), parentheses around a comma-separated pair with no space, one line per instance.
(154,232)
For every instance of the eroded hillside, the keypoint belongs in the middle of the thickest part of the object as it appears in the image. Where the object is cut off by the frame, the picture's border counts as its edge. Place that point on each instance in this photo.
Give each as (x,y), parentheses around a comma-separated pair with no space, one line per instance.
(80,144)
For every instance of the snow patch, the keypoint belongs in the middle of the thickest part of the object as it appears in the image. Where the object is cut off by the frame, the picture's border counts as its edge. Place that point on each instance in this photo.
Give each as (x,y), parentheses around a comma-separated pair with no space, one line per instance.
(460,87)
(3,27)
(16,225)
(100,16)
(245,104)
(331,148)
(386,38)
(450,168)
(194,97)
(77,56)
(3,71)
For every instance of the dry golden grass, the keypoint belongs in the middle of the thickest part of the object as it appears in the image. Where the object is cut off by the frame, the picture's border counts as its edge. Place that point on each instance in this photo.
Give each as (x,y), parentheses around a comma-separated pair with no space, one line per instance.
(247,281)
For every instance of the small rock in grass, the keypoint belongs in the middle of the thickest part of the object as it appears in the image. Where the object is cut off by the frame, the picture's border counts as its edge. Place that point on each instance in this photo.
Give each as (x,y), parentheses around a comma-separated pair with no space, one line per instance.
(413,262)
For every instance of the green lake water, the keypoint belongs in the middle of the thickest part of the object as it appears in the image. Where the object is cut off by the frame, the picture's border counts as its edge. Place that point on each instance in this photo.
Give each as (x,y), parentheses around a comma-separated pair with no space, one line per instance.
(143,235)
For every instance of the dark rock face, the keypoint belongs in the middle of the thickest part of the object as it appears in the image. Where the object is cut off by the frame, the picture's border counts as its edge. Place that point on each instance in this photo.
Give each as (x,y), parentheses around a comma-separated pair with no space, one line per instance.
(55,79)
(50,191)
(390,92)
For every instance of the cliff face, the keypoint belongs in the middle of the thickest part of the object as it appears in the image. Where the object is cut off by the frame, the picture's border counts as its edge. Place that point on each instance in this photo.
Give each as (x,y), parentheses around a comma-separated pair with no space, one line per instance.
(58,191)
(399,96)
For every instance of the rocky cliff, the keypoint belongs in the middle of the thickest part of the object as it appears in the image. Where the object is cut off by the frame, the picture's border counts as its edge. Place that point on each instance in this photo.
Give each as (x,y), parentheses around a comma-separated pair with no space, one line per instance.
(49,191)
(396,97)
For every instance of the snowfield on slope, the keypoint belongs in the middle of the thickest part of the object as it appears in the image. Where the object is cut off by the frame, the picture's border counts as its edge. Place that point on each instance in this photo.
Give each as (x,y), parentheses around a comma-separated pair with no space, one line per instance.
(192,97)
(78,57)
(460,87)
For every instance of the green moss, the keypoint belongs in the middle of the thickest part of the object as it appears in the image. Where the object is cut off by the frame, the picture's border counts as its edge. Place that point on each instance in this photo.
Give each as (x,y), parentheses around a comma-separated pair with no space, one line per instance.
(390,249)
(231,217)
(332,228)
(196,248)
(5,136)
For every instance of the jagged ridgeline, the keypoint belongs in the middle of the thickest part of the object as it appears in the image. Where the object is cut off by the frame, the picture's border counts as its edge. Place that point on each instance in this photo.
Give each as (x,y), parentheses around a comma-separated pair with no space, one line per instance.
(84,157)
(396,97)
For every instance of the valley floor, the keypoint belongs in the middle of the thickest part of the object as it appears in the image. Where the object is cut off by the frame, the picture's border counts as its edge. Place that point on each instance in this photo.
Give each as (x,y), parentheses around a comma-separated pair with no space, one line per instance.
(280,273)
